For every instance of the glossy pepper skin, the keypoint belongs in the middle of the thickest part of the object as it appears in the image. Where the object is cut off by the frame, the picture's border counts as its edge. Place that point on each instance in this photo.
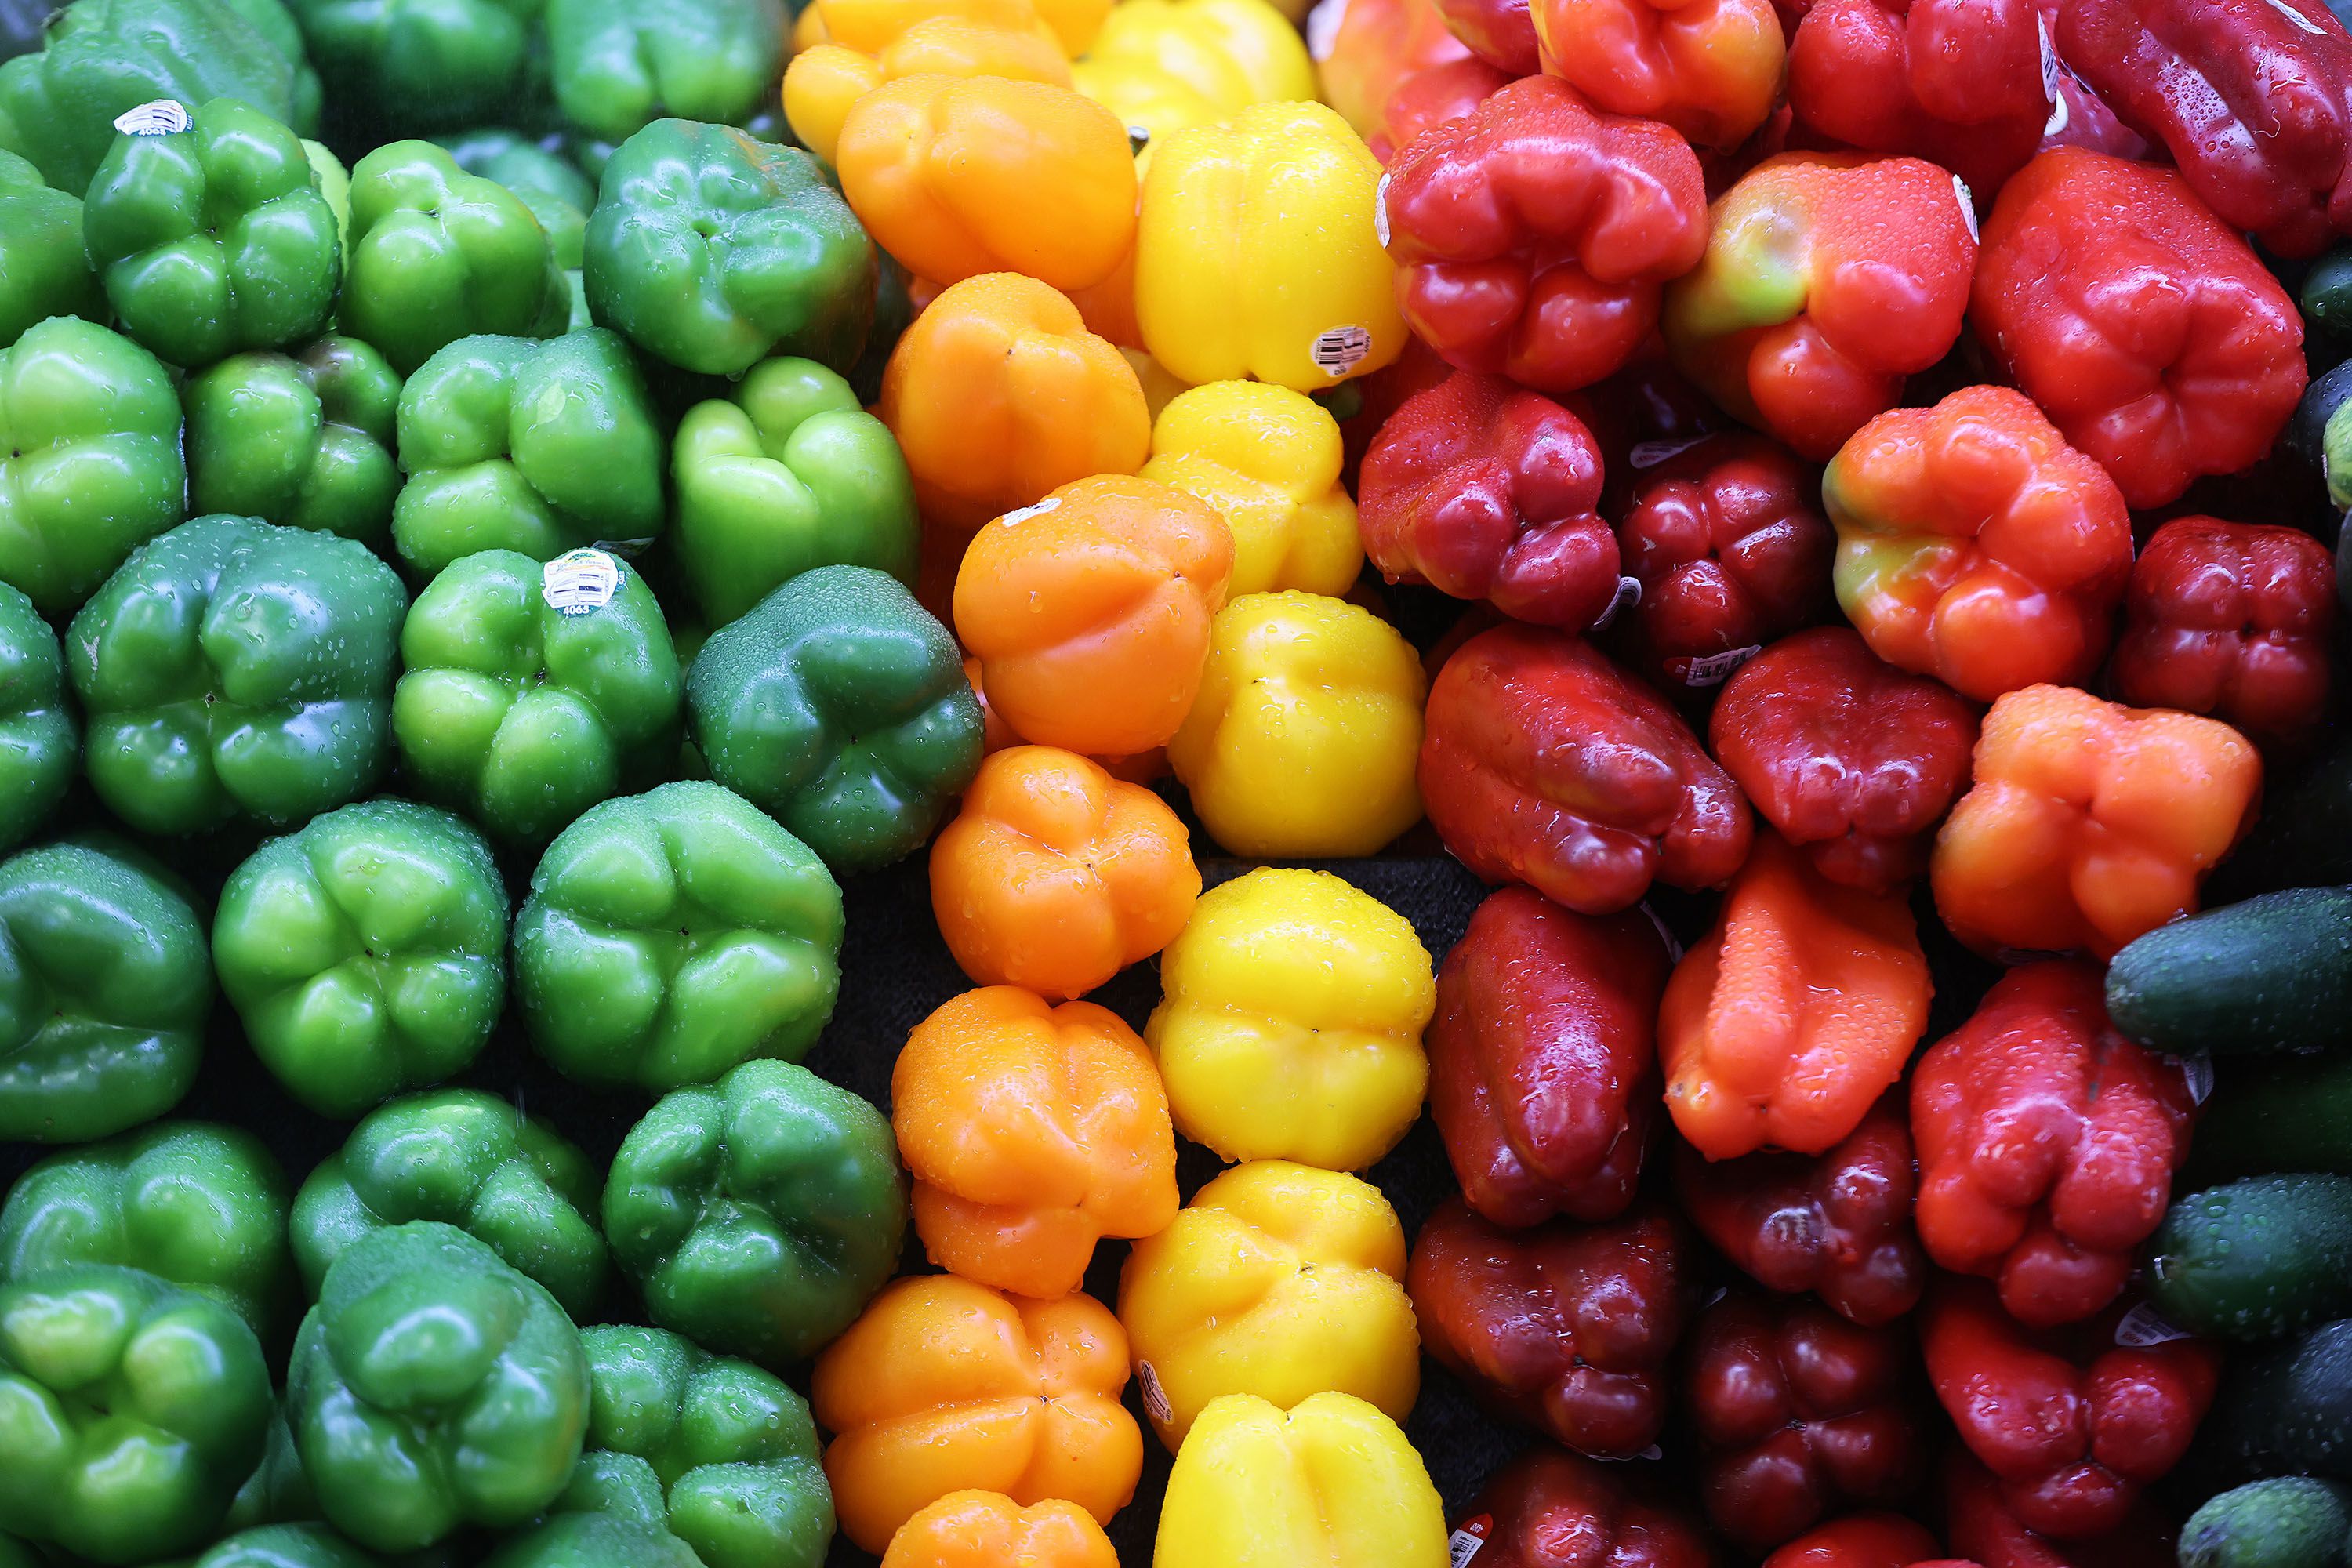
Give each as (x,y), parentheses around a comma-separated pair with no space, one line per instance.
(712,251)
(467,1159)
(1549,1508)
(284,1546)
(1519,790)
(1710,70)
(2231,619)
(1827,278)
(1800,1414)
(1838,1225)
(984,1528)
(1975,545)
(1267,459)
(1986,1526)
(1534,234)
(839,706)
(93,465)
(2047,1143)
(1567,1328)
(1167,65)
(2089,822)
(198,1205)
(1277,1281)
(1486,490)
(304,438)
(135,1409)
(617,67)
(1957,82)
(671,936)
(40,745)
(2166,352)
(1371,50)
(945,1385)
(865,45)
(432,1388)
(1852,761)
(422,64)
(2073,1425)
(47,271)
(592,1540)
(758,1213)
(1862,1541)
(1543,1078)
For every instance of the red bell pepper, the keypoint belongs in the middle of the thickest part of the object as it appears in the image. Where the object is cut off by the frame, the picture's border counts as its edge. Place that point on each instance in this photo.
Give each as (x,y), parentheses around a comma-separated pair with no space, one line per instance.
(1543,1075)
(2252,97)
(1975,546)
(2071,1423)
(1430,97)
(2080,117)
(1568,1327)
(1501,32)
(1838,1225)
(1543,762)
(1710,68)
(2231,619)
(1828,279)
(1366,50)
(1553,1510)
(1486,491)
(1860,1540)
(1731,550)
(2164,349)
(1533,235)
(1853,761)
(2047,1143)
(1983,1525)
(1800,1413)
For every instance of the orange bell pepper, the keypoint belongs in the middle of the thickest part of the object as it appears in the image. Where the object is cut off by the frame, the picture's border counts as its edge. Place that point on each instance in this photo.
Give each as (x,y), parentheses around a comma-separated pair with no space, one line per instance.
(850,48)
(946,1386)
(1710,68)
(1107,307)
(1032,1132)
(2089,822)
(1089,612)
(1791,1019)
(957,178)
(1055,876)
(995,734)
(997,393)
(989,1530)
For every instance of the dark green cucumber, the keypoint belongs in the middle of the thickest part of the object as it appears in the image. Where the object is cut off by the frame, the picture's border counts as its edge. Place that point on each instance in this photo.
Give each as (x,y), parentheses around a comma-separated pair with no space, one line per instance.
(2274,973)
(2292,1521)
(2286,1409)
(2303,839)
(2274,1113)
(2256,1259)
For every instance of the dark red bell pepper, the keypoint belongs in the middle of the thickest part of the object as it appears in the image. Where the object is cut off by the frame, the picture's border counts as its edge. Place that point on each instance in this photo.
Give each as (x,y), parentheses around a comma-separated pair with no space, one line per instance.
(1553,1510)
(1568,1327)
(1543,1067)
(1983,1526)
(1543,762)
(1859,1540)
(1501,32)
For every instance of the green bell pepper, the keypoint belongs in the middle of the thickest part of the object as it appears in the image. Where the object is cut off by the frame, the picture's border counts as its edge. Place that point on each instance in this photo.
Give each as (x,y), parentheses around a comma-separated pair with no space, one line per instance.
(758,1213)
(44,271)
(237,669)
(523,445)
(532,692)
(712,251)
(470,1160)
(199,1205)
(215,240)
(366,953)
(276,24)
(432,1387)
(38,744)
(593,1541)
(671,936)
(89,459)
(840,707)
(426,64)
(104,989)
(286,1546)
(305,440)
(724,1453)
(439,255)
(619,65)
(787,474)
(129,1412)
(545,181)
(278,1492)
(105,58)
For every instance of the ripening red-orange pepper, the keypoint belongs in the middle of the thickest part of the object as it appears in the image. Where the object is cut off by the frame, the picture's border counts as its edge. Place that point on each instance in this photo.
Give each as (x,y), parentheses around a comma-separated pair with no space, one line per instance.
(1710,68)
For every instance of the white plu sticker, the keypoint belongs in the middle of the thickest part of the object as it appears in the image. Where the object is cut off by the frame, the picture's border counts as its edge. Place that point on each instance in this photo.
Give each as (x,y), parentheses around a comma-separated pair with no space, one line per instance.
(2049,61)
(1015,519)
(2199,1071)
(580,582)
(1469,1540)
(1155,1398)
(162,117)
(1717,668)
(1968,205)
(1336,352)
(2141,1327)
(1628,593)
(1323,25)
(1650,454)
(1381,212)
(2298,18)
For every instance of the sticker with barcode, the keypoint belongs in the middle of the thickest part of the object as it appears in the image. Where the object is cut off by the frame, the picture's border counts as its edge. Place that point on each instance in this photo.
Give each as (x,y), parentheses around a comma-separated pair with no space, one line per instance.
(2049,61)
(1716,668)
(1968,205)
(1628,593)
(2199,1071)
(1337,350)
(2298,18)
(580,582)
(162,117)
(1467,1541)
(2142,1327)
(1650,454)
(1155,1398)
(1013,519)
(1381,212)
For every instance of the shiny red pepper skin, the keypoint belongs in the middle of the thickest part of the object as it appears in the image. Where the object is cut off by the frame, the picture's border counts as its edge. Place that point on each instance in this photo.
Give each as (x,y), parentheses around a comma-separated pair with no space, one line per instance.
(1554,1509)
(1501,32)
(1485,491)
(1983,1526)
(1543,762)
(2230,619)
(2165,350)
(1859,1540)
(1533,235)
(2047,1143)
(1731,550)
(1430,97)
(2081,118)
(1852,760)
(1543,1067)
(1838,1225)
(1568,1327)
(2071,1424)
(1799,1415)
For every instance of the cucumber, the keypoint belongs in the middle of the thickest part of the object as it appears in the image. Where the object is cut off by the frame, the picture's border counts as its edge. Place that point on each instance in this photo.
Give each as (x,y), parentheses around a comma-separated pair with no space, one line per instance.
(2275,1113)
(2274,973)
(2294,1521)
(2305,836)
(2286,1409)
(2256,1259)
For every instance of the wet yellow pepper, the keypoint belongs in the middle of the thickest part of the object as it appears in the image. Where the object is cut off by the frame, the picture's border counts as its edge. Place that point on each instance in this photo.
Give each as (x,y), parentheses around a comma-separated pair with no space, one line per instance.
(1267,458)
(1163,65)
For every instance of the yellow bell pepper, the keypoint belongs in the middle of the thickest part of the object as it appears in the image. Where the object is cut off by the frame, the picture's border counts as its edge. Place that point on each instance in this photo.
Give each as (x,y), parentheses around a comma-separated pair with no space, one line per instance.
(1330,1481)
(1278,1280)
(1303,741)
(848,48)
(1268,458)
(1256,255)
(1163,65)
(1290,1022)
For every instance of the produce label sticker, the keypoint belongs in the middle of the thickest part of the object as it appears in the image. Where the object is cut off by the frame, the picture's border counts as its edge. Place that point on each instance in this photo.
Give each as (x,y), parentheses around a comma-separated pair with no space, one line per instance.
(162,117)
(580,582)
(2298,18)
(1155,1398)
(1673,948)
(1629,592)
(1014,519)
(1323,25)
(1381,212)
(1650,454)
(1967,206)
(2199,1072)
(1337,350)
(1467,1541)
(2141,1327)
(1717,668)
